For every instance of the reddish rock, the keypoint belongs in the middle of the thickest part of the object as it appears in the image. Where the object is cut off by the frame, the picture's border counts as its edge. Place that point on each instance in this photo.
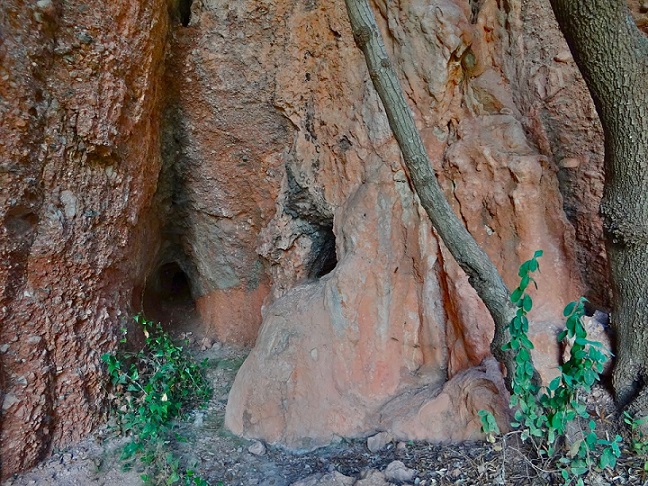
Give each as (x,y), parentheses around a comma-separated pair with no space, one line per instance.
(396,314)
(233,315)
(259,177)
(559,116)
(79,158)
(450,412)
(223,149)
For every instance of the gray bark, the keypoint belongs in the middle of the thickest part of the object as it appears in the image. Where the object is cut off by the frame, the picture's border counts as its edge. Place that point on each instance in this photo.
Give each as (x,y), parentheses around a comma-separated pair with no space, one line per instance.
(482,273)
(612,55)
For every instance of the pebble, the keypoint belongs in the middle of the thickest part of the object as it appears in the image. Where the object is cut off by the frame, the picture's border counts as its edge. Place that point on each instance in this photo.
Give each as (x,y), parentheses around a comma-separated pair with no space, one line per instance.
(378,442)
(257,448)
(397,471)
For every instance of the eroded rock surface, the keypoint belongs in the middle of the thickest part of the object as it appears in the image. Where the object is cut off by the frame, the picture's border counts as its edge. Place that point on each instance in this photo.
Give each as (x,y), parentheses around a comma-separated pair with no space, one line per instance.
(224,146)
(396,314)
(243,160)
(79,160)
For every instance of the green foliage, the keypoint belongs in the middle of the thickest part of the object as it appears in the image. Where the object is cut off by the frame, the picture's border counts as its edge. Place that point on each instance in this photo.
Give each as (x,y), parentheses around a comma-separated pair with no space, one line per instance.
(151,388)
(542,415)
(638,436)
(489,425)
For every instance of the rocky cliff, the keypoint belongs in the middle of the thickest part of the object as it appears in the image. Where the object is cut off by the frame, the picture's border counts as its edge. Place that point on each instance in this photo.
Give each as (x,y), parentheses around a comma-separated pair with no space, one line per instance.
(80,107)
(236,155)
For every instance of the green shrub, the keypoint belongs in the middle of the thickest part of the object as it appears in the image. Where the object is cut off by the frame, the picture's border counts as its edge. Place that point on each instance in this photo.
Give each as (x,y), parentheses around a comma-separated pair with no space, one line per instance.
(542,414)
(151,388)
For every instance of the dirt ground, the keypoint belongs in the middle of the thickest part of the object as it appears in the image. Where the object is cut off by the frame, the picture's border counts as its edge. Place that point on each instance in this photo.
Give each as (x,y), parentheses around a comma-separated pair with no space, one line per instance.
(223,459)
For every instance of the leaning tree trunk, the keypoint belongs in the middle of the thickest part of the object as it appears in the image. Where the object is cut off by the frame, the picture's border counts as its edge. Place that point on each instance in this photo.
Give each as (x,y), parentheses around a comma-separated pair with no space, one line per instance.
(612,55)
(482,274)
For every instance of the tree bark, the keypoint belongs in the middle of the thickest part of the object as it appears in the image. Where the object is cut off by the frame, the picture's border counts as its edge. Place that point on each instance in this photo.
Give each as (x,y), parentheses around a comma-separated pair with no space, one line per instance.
(482,273)
(612,55)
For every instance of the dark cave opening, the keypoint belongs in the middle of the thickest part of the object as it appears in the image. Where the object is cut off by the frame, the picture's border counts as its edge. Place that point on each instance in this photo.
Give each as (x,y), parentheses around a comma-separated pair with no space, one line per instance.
(168,298)
(174,283)
(324,256)
(184,11)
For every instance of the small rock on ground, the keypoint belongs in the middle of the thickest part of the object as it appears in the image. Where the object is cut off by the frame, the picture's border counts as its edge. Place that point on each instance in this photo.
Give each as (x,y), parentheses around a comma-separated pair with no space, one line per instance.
(378,442)
(397,471)
(257,448)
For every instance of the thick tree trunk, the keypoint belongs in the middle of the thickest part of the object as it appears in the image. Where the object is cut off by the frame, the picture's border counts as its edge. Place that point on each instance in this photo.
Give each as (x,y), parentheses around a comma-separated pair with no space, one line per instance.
(612,54)
(482,273)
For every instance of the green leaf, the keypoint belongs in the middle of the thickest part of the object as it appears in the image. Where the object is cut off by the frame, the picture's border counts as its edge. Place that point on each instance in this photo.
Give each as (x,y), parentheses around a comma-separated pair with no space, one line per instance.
(608,459)
(569,309)
(533,265)
(529,368)
(555,383)
(578,470)
(517,293)
(527,303)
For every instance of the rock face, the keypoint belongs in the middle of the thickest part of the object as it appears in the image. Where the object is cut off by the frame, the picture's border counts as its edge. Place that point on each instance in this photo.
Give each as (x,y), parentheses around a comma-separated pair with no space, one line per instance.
(223,148)
(79,159)
(560,118)
(396,316)
(240,161)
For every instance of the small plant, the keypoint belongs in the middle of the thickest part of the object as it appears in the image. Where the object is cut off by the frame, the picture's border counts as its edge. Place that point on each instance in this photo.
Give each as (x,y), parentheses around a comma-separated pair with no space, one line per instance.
(528,415)
(542,415)
(638,436)
(489,425)
(151,388)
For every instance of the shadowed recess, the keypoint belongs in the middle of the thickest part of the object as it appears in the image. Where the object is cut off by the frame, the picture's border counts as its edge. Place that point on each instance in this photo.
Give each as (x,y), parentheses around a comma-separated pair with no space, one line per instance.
(324,257)
(168,298)
(184,11)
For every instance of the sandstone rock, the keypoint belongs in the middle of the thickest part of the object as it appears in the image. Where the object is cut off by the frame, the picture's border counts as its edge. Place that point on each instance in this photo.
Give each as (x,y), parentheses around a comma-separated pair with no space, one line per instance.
(334,350)
(449,412)
(378,442)
(79,161)
(223,152)
(560,118)
(395,315)
(257,448)
(397,471)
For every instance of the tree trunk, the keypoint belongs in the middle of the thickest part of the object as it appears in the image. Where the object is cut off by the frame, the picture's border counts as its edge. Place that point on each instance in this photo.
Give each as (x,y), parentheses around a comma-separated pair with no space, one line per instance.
(482,274)
(612,55)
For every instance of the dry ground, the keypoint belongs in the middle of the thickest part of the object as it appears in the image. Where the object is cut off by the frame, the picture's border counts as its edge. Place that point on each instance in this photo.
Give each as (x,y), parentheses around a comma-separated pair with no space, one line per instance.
(223,459)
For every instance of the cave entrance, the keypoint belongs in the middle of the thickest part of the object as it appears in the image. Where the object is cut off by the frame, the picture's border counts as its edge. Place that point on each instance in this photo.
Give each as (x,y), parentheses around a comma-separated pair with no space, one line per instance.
(184,11)
(168,300)
(324,256)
